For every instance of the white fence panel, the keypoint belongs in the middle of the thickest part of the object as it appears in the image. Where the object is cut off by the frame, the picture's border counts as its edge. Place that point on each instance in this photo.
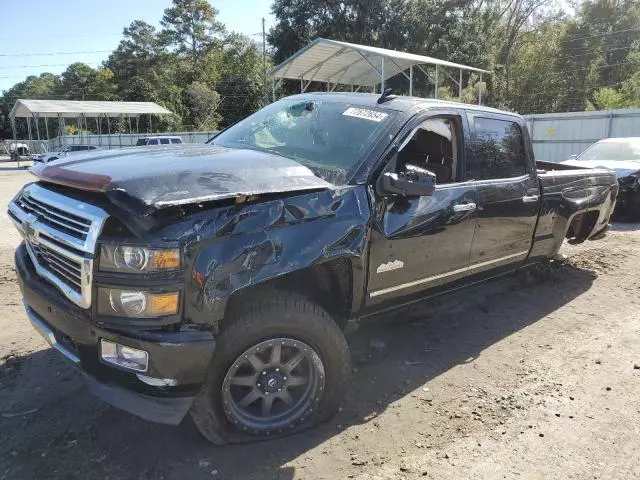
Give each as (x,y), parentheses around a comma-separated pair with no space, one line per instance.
(556,136)
(111,141)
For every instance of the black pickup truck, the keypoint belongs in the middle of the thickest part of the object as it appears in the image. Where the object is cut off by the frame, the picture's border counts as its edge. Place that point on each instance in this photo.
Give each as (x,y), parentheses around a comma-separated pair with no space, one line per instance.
(216,279)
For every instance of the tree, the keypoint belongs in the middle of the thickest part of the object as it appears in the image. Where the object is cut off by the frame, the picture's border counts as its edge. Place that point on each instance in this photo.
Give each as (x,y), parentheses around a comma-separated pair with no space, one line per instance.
(190,27)
(240,80)
(201,105)
(77,80)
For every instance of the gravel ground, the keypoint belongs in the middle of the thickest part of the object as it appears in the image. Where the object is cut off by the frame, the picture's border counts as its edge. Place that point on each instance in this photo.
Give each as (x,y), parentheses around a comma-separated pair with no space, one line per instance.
(534,376)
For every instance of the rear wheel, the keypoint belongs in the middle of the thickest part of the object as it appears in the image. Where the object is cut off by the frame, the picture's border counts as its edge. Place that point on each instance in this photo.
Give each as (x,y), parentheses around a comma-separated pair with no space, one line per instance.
(280,366)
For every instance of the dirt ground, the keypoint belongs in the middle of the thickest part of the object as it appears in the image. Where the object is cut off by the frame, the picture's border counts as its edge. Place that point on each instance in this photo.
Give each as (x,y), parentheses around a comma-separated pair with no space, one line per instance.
(536,376)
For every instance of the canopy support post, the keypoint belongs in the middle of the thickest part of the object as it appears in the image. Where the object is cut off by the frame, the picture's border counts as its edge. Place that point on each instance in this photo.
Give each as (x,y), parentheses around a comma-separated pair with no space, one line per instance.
(436,82)
(59,131)
(273,89)
(99,133)
(29,129)
(109,127)
(36,119)
(46,127)
(460,87)
(150,124)
(411,80)
(480,91)
(301,85)
(14,129)
(382,76)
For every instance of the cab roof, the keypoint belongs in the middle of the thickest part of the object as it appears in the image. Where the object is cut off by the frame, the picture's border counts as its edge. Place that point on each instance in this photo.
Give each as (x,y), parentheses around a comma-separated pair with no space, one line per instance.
(398,103)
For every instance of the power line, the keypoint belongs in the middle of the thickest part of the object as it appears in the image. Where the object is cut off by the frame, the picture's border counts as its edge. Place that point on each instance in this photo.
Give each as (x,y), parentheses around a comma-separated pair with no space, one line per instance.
(50,54)
(84,35)
(49,65)
(588,36)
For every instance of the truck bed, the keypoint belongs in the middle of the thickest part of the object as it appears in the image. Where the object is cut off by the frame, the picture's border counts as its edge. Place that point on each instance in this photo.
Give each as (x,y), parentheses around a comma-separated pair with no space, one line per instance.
(576,205)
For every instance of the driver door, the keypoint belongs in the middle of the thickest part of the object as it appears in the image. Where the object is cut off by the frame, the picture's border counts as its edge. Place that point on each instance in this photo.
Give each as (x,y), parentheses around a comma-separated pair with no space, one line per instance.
(420,243)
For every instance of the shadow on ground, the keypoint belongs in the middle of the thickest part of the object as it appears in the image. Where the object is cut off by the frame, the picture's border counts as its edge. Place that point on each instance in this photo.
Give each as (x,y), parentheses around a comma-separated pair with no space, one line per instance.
(53,428)
(13,168)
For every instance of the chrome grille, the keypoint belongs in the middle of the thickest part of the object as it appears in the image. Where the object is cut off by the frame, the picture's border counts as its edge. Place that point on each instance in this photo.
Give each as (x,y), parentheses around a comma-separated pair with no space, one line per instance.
(69,271)
(54,217)
(60,234)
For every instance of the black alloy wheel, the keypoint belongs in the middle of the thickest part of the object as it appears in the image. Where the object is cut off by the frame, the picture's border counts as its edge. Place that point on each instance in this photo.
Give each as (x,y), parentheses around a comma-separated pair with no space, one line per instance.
(273,385)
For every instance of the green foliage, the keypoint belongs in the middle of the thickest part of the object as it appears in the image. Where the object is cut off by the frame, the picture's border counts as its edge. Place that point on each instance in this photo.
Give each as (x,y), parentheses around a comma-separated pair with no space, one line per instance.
(544,57)
(209,78)
(201,105)
(190,27)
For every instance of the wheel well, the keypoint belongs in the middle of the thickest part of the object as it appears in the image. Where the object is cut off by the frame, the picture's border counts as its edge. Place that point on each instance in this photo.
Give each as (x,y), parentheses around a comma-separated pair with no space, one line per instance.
(581,226)
(329,284)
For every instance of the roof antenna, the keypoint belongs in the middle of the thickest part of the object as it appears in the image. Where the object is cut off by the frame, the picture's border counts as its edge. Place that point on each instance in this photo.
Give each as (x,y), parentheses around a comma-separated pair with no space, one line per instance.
(386,96)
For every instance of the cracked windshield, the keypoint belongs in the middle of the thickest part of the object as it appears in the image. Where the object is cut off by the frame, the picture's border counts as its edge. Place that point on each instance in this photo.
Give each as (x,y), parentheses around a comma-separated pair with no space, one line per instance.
(318,134)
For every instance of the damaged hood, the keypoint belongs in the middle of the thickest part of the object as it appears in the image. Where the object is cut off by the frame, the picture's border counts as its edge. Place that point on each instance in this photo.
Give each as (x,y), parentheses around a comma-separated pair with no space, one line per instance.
(158,177)
(623,168)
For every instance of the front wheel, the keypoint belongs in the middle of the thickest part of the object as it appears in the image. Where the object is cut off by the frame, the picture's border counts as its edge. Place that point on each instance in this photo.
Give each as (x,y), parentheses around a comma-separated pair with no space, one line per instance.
(280,366)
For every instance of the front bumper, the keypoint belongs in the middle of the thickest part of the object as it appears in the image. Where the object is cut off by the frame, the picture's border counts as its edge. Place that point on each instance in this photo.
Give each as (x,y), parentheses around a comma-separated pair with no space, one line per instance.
(629,199)
(180,356)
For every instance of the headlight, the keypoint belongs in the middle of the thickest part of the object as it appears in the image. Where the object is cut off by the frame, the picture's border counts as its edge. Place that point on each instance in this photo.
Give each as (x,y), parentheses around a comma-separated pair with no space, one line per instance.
(136,303)
(132,259)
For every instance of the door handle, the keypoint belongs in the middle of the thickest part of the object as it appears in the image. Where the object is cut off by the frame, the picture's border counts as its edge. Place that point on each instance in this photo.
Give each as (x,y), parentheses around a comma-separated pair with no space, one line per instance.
(464,207)
(530,198)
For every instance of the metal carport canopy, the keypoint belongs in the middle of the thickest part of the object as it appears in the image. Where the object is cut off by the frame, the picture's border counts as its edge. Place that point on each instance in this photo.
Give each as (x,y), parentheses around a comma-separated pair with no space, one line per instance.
(335,62)
(25,108)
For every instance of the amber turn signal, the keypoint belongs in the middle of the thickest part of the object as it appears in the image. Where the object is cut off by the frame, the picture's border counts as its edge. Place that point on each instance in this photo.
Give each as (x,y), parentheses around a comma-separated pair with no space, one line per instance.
(163,304)
(166,259)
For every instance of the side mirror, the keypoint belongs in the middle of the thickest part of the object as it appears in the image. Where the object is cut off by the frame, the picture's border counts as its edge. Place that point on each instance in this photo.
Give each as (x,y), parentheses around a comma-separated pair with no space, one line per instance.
(412,182)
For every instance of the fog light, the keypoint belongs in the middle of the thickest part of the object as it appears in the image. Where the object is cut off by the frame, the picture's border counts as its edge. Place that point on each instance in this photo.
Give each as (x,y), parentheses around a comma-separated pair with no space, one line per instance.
(124,357)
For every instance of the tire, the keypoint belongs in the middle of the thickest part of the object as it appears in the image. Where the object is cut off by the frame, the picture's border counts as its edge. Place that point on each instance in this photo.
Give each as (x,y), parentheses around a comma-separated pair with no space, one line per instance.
(295,323)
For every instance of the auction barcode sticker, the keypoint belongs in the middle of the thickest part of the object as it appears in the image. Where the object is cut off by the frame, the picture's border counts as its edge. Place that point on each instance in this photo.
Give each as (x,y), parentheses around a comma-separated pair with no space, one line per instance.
(365,114)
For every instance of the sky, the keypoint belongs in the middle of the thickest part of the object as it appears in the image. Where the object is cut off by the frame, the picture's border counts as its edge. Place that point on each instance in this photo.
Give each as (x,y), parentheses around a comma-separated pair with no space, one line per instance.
(39,36)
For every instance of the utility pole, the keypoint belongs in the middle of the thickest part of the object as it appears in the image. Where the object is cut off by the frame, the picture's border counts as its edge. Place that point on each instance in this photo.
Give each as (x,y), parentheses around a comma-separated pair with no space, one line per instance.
(264,60)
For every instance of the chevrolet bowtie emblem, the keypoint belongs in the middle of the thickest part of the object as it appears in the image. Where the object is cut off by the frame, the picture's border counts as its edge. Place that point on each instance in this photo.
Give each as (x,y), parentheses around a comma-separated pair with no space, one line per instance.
(30,233)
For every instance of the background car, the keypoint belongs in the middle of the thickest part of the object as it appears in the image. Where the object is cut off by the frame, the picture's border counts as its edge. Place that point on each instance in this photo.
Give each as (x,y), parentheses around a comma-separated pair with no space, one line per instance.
(622,155)
(66,151)
(164,140)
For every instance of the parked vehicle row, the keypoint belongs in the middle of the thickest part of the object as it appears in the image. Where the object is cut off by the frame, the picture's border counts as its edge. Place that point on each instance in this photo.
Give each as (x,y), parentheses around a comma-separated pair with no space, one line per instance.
(62,153)
(73,149)
(216,279)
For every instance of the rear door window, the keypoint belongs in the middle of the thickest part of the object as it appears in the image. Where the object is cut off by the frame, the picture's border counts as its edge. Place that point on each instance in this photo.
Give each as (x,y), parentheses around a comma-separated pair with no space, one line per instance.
(176,140)
(498,150)
(152,142)
(164,141)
